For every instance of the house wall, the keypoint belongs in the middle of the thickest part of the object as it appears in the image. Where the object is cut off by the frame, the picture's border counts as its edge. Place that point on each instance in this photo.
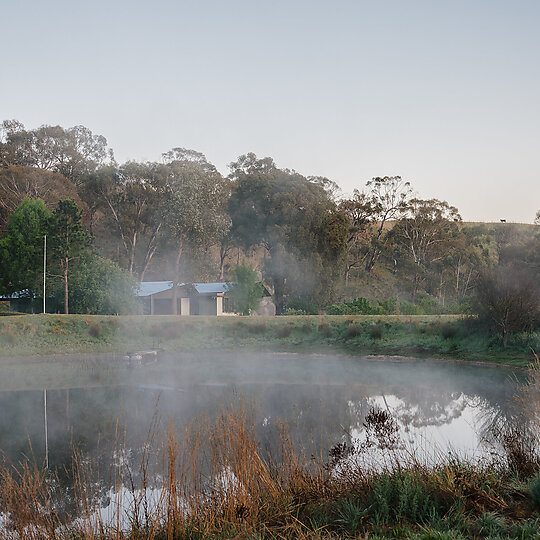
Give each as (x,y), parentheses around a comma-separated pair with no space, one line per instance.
(207,305)
(162,304)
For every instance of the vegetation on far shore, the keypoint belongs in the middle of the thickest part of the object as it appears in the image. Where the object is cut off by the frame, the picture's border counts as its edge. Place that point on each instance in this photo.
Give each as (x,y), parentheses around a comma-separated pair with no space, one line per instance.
(428,336)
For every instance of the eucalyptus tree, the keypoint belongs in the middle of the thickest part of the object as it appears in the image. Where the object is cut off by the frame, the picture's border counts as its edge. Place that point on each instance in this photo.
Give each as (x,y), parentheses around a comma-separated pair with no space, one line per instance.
(18,182)
(73,152)
(427,232)
(194,207)
(295,221)
(388,198)
(133,200)
(359,211)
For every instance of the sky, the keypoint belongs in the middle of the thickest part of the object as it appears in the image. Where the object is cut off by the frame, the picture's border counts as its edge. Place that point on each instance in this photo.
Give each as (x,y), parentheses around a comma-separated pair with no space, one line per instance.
(444,94)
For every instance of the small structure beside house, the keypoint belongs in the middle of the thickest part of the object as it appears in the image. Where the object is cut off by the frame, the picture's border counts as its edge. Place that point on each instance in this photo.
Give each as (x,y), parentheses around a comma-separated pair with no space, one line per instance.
(163,298)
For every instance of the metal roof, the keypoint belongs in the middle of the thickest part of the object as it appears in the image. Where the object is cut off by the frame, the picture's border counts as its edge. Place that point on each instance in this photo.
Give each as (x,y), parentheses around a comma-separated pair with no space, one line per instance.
(148,288)
(18,294)
(211,288)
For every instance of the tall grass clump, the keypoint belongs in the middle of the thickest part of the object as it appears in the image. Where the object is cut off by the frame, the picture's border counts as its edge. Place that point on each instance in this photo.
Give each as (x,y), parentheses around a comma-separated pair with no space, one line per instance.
(325,329)
(95,329)
(375,331)
(8,334)
(284,331)
(352,330)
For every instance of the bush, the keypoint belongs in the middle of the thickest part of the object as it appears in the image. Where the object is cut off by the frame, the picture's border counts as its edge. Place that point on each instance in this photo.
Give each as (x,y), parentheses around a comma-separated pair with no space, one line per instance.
(428,304)
(284,331)
(257,328)
(325,329)
(388,306)
(352,331)
(247,290)
(301,306)
(359,306)
(9,334)
(293,311)
(449,331)
(408,308)
(375,331)
(96,330)
(99,286)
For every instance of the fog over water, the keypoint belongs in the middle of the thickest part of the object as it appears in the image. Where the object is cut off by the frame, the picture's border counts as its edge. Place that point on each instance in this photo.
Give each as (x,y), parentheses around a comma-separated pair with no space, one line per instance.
(324,400)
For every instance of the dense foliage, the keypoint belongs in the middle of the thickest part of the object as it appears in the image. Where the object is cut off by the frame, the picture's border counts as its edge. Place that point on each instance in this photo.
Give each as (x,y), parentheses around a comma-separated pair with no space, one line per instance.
(179,219)
(246,290)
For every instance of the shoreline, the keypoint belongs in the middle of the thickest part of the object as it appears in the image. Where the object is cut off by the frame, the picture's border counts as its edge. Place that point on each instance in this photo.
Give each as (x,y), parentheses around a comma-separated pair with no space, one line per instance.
(444,338)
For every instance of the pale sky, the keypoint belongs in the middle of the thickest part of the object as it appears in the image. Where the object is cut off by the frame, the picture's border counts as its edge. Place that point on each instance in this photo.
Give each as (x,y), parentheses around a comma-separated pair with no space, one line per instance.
(444,93)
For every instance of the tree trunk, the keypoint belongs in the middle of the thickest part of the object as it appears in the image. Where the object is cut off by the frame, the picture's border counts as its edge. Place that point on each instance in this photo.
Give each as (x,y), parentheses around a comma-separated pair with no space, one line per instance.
(132,254)
(223,252)
(176,273)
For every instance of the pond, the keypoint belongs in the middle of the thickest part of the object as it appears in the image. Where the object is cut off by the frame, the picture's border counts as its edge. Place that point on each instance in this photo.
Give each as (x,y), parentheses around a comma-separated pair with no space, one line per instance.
(439,406)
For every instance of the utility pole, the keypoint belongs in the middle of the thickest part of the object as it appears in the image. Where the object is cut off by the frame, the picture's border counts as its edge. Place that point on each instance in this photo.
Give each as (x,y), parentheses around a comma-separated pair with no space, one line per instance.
(44,268)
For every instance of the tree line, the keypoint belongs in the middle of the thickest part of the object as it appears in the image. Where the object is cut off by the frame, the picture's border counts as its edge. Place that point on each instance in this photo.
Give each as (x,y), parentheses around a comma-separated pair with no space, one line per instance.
(180,219)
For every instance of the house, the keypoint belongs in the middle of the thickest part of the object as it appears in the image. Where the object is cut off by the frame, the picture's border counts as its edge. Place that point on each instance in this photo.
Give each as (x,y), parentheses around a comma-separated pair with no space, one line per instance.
(162,298)
(21,302)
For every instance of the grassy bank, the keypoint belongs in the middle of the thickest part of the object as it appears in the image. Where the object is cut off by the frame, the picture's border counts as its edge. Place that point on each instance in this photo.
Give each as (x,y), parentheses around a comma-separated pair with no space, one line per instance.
(445,336)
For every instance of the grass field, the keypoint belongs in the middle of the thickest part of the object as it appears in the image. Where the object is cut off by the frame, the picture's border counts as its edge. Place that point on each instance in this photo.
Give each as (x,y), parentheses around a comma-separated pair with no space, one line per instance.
(437,336)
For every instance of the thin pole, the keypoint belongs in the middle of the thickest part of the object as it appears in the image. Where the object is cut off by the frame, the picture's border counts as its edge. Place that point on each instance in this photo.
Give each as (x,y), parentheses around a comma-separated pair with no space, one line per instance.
(46,433)
(44,268)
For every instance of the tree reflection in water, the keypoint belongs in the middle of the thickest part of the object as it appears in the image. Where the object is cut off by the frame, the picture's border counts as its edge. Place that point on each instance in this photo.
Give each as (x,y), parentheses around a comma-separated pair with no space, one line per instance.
(107,411)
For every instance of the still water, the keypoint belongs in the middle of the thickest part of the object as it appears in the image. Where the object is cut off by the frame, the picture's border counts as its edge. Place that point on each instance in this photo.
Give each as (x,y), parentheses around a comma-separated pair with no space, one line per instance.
(438,406)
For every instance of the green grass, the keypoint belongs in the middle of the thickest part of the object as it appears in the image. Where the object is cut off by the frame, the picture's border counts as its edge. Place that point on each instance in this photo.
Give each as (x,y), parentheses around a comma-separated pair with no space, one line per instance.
(424,336)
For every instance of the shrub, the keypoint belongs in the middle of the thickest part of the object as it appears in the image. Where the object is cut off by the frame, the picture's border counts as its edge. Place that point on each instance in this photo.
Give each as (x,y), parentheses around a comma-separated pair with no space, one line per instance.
(100,287)
(375,331)
(247,290)
(428,304)
(96,330)
(388,306)
(306,328)
(293,311)
(359,306)
(449,331)
(408,308)
(257,328)
(325,329)
(352,331)
(9,334)
(284,331)
(114,323)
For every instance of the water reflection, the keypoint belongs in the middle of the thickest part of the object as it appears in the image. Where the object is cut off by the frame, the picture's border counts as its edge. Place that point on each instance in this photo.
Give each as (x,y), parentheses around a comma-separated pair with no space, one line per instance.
(97,403)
